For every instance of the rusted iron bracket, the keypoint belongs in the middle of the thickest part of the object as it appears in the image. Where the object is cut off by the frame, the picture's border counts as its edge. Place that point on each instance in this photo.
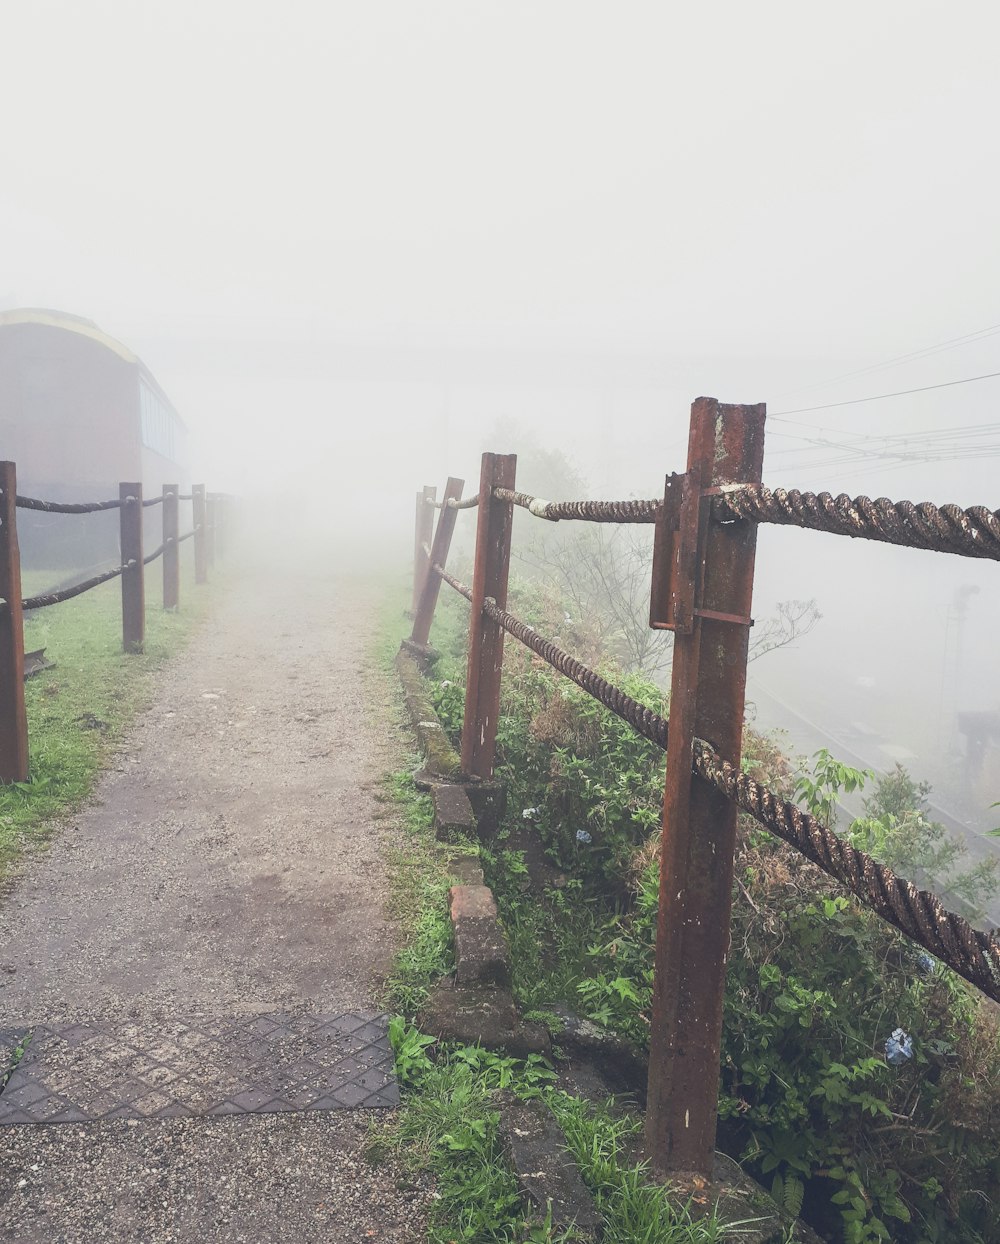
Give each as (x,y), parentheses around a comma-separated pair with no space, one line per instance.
(679,542)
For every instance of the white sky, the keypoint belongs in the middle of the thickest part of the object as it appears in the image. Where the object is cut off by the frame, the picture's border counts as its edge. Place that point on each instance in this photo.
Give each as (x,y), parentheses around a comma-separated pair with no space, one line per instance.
(347,237)
(700,182)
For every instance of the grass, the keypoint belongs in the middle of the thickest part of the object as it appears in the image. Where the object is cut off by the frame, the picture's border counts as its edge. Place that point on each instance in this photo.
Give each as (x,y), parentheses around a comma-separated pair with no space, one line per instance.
(419,883)
(79,710)
(449,1124)
(450,1127)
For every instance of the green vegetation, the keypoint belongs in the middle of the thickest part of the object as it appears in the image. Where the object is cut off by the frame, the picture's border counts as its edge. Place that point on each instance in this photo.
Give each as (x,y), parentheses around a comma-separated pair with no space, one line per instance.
(450,1126)
(872,1134)
(420,884)
(79,710)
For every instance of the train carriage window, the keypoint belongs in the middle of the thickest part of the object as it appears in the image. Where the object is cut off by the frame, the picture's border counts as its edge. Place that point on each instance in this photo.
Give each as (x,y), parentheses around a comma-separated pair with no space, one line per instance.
(158,423)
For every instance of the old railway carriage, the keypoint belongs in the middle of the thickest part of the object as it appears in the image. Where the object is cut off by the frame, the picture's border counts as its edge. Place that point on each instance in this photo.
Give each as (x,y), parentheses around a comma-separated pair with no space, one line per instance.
(80,412)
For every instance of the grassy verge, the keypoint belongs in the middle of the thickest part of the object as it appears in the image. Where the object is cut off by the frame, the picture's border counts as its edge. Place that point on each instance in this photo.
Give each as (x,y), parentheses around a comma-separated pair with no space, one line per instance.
(420,882)
(449,1125)
(79,710)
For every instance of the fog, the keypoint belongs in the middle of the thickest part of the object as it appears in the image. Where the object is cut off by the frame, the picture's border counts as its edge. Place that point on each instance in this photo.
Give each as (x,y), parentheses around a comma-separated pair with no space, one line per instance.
(351,241)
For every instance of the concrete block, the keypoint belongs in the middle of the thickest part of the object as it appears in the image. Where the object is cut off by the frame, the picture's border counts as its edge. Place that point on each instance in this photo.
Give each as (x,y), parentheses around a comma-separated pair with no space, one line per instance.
(546,1174)
(482,956)
(453,815)
(485,1017)
(466,868)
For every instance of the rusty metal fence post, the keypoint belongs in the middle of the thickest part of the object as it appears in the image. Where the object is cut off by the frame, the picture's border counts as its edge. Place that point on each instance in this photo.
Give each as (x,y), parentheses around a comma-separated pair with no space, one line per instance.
(200,533)
(424,530)
(711,567)
(428,598)
(482,688)
(13,718)
(171,549)
(133,572)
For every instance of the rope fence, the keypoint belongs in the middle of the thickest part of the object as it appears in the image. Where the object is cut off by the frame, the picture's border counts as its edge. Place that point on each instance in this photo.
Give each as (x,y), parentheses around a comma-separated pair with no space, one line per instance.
(917,913)
(705,536)
(587,511)
(453,503)
(66,507)
(67,593)
(208,531)
(972,532)
(87,507)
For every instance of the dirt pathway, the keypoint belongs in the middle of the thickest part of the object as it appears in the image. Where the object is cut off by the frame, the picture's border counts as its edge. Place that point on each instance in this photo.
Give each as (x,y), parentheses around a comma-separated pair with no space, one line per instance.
(230,865)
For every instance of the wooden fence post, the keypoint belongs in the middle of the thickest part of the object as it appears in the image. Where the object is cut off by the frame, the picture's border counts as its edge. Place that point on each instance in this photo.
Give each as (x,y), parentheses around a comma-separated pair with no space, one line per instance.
(171,549)
(133,575)
(200,533)
(13,719)
(714,568)
(427,602)
(211,512)
(424,530)
(482,688)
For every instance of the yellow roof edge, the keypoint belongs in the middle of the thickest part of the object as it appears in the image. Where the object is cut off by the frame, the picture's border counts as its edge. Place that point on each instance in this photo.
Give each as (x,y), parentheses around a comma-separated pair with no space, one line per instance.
(71,323)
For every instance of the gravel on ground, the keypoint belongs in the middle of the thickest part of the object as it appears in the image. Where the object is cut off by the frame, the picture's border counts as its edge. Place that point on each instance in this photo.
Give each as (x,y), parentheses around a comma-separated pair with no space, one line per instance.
(230,862)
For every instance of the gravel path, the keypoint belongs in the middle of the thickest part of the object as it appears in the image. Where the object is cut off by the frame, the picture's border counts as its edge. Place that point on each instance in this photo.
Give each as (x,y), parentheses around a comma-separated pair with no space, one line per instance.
(230,863)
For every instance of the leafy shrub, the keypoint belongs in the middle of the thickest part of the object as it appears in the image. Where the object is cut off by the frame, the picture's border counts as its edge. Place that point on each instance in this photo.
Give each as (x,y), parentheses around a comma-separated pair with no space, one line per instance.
(816,983)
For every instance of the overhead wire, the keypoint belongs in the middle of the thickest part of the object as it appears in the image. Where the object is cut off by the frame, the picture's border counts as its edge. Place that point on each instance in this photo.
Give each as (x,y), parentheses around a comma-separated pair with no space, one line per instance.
(950,343)
(879,397)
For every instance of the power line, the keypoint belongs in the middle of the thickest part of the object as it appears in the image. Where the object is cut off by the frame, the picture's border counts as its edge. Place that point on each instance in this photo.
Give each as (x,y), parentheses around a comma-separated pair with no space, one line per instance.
(951,343)
(946,433)
(963,442)
(878,397)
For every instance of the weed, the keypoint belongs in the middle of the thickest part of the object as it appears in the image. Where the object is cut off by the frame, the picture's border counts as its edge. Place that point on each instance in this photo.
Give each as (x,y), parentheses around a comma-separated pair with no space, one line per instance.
(16,1054)
(419,884)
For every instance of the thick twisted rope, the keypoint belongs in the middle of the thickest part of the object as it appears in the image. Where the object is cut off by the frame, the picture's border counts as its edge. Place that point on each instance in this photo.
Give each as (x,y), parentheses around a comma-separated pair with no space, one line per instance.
(973,532)
(77,589)
(452,503)
(649,724)
(588,511)
(86,507)
(66,507)
(642,719)
(918,914)
(67,593)
(450,579)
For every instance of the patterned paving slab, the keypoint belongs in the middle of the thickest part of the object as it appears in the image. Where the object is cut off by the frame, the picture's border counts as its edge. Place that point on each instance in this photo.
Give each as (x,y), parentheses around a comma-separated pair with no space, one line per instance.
(75,1073)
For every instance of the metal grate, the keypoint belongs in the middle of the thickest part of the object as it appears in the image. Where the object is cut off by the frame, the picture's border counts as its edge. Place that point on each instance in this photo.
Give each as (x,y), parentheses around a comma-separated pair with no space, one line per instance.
(76,1073)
